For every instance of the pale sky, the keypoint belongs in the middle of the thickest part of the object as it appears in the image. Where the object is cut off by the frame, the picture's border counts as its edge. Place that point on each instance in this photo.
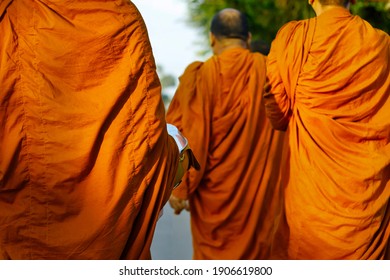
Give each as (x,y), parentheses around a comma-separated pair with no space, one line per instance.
(175,44)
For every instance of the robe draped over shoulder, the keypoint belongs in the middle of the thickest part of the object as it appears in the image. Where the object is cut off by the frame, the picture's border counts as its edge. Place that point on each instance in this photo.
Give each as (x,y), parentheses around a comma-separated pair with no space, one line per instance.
(234,201)
(329,83)
(86,163)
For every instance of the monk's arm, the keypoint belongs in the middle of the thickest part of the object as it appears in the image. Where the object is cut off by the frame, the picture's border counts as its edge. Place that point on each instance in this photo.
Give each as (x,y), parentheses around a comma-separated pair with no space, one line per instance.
(276,100)
(186,112)
(186,157)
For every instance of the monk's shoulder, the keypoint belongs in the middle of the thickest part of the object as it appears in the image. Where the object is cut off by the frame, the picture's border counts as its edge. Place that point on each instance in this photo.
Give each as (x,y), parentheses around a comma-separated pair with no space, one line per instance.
(379,39)
(193,67)
(288,30)
(366,27)
(383,37)
(190,73)
(191,70)
(259,57)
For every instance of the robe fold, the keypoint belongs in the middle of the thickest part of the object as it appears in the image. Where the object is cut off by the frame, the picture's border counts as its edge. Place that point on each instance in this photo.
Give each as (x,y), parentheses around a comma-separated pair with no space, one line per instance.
(86,163)
(329,87)
(234,202)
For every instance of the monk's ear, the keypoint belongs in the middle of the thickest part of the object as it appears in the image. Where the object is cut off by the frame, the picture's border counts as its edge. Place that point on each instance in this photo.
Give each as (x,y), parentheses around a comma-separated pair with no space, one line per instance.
(249,40)
(349,3)
(311,2)
(212,39)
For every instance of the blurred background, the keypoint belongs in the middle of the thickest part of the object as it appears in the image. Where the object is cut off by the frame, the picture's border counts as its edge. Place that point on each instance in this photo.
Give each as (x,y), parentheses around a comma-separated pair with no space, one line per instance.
(178,31)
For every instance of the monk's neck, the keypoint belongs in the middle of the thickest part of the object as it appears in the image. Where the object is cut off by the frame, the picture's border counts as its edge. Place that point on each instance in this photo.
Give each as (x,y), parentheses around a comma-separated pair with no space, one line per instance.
(222,46)
(319,10)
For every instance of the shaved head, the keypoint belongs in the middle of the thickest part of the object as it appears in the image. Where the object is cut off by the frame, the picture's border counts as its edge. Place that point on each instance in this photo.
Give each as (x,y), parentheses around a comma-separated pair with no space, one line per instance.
(230,23)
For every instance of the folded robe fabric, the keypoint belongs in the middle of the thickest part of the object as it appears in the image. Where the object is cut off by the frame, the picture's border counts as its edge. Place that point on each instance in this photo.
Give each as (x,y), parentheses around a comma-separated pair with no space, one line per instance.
(329,86)
(234,201)
(86,163)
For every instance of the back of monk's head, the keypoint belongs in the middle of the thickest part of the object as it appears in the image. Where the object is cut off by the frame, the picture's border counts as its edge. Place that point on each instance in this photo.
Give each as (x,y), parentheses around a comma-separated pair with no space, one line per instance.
(230,23)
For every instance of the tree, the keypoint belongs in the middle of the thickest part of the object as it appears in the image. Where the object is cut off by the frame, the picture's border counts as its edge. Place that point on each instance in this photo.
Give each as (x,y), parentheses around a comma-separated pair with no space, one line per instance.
(267,16)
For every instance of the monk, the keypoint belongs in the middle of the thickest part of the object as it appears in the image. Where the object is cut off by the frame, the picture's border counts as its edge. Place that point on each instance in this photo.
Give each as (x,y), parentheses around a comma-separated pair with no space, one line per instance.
(328,86)
(233,199)
(86,162)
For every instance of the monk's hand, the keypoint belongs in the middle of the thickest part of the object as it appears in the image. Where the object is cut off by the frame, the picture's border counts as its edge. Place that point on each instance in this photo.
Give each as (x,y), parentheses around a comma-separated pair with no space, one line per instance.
(267,86)
(178,204)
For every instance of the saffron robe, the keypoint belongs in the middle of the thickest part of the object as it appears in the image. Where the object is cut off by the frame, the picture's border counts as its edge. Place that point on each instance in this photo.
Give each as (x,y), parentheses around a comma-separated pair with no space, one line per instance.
(86,163)
(329,86)
(233,199)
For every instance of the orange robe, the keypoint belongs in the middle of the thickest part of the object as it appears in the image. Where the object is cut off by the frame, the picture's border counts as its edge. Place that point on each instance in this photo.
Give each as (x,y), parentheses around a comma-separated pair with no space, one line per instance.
(329,86)
(86,163)
(233,199)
